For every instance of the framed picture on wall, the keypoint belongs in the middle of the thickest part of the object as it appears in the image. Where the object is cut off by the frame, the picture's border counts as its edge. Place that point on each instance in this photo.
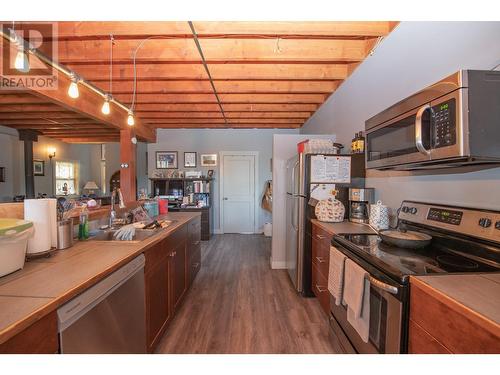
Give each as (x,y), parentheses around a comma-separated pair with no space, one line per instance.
(208,160)
(190,160)
(38,168)
(166,159)
(210,173)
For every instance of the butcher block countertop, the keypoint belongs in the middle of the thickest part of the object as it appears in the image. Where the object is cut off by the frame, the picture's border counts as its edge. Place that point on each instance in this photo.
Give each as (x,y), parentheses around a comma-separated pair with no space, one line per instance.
(479,293)
(47,283)
(345,227)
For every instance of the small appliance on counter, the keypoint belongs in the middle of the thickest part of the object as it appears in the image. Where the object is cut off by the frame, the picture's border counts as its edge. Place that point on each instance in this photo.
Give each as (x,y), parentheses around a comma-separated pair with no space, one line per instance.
(461,240)
(360,200)
(14,234)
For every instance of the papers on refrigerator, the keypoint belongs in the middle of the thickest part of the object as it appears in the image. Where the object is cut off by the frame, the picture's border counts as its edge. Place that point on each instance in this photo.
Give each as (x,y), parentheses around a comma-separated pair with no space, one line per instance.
(333,169)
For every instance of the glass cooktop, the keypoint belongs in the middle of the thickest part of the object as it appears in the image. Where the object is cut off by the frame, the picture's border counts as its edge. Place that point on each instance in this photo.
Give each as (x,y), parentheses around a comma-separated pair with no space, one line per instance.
(400,263)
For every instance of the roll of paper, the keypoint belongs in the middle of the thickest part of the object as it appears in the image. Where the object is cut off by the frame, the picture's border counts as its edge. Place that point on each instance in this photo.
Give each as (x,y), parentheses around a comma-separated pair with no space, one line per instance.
(39,211)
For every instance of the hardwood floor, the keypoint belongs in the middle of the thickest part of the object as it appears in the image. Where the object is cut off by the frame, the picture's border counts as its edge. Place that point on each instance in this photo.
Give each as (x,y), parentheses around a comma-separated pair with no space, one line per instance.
(239,305)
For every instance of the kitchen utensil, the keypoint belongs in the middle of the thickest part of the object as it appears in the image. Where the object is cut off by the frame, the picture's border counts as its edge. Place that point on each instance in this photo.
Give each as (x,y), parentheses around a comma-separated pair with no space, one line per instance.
(330,210)
(379,216)
(408,239)
(64,234)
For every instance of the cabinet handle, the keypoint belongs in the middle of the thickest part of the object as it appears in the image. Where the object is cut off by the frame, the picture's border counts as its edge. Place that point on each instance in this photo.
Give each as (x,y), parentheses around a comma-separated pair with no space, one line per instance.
(320,259)
(196,243)
(321,289)
(320,237)
(173,254)
(196,265)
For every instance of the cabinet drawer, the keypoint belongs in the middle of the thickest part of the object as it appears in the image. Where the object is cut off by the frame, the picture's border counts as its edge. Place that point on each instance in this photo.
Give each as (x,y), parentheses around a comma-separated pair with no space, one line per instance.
(321,257)
(321,236)
(320,289)
(453,325)
(420,342)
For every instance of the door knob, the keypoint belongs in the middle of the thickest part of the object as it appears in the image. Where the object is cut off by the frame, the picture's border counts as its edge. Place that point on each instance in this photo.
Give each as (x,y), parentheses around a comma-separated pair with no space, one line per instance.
(225,198)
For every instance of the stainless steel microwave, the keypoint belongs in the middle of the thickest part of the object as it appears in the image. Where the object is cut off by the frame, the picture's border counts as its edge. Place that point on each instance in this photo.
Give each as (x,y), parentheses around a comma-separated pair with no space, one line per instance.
(453,122)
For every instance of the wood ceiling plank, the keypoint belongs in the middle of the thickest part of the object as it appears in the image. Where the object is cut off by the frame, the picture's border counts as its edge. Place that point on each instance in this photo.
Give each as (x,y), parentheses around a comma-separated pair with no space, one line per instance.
(32,107)
(89,139)
(218,71)
(237,50)
(70,30)
(152,117)
(41,115)
(316,28)
(232,121)
(143,109)
(224,87)
(20,99)
(137,29)
(225,98)
(229,126)
(37,121)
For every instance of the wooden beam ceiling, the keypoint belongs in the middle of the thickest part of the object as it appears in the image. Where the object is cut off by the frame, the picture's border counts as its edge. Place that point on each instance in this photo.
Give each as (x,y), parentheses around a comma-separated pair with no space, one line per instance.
(266,74)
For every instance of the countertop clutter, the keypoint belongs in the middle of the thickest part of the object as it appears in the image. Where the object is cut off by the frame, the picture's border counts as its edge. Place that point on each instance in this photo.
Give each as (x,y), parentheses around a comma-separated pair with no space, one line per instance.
(45,284)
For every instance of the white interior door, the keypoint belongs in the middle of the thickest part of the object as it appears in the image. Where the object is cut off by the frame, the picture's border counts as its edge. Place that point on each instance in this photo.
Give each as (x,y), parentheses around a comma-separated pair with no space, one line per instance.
(238,193)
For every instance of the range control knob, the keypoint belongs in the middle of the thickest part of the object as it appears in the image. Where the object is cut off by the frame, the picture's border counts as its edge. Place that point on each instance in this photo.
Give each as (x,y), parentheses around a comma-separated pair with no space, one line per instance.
(413,210)
(405,209)
(485,222)
(497,225)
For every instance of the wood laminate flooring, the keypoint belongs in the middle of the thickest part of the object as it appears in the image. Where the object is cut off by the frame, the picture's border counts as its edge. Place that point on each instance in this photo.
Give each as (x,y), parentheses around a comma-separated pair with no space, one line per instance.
(238,304)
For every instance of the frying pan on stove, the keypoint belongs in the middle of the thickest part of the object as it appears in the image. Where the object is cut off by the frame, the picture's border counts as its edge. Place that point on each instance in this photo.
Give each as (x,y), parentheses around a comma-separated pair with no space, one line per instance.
(407,239)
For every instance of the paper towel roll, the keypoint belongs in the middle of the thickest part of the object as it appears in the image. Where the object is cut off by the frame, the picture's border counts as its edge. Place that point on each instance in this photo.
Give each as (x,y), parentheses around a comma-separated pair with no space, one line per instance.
(43,214)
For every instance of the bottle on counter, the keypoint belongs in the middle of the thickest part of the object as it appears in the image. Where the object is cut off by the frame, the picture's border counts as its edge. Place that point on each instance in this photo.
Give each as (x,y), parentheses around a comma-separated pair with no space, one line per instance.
(361,143)
(354,143)
(83,227)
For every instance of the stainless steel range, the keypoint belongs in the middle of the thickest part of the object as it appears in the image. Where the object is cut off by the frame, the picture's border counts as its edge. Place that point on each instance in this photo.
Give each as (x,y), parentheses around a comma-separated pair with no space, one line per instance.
(463,240)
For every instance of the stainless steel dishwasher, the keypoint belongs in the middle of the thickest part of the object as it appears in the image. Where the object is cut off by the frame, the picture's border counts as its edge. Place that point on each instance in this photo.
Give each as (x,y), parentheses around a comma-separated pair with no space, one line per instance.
(109,317)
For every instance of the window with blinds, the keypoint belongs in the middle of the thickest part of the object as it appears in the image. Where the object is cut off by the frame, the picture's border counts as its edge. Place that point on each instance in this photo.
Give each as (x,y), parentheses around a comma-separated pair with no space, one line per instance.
(66,176)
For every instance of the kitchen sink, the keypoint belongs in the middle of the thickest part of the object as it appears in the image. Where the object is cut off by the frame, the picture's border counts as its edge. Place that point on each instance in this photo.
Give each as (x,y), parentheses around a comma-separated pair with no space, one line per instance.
(108,235)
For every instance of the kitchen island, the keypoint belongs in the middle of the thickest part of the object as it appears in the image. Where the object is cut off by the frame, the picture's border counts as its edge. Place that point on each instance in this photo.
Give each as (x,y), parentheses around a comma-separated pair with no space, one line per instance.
(36,292)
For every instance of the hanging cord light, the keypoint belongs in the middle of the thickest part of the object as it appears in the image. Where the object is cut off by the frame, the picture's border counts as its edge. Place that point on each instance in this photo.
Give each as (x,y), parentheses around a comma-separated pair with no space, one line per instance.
(105,106)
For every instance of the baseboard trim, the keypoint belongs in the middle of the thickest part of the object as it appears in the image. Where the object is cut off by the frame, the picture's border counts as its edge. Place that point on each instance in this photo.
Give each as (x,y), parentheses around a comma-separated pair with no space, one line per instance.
(278,264)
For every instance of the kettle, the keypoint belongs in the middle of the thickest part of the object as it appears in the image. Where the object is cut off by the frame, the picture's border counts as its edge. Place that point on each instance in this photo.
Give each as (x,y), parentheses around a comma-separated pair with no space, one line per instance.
(379,216)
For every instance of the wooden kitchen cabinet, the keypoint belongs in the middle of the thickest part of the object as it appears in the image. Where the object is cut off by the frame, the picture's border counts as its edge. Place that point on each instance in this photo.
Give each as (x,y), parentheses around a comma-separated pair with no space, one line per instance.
(320,264)
(167,278)
(194,249)
(439,324)
(39,338)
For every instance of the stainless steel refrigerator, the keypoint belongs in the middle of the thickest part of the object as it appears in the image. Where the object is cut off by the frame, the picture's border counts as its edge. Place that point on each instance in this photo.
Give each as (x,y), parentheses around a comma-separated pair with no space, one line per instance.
(304,171)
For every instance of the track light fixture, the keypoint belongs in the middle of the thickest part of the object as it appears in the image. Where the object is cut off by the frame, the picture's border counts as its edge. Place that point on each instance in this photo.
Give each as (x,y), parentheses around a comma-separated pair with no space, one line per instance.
(73,91)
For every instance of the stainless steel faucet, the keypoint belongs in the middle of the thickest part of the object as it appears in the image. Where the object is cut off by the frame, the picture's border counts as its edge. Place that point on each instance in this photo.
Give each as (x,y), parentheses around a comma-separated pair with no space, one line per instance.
(112,212)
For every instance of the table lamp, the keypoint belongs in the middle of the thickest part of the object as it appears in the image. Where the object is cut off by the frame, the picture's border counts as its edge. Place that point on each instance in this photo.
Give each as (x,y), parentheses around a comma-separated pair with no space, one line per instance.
(91,186)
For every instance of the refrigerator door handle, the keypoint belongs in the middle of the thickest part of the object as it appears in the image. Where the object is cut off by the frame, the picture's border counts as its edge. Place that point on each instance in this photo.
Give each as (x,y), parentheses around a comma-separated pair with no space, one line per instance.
(293,177)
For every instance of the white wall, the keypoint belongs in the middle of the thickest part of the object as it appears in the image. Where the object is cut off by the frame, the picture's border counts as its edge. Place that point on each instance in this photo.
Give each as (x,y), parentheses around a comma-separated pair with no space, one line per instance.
(212,141)
(413,56)
(284,147)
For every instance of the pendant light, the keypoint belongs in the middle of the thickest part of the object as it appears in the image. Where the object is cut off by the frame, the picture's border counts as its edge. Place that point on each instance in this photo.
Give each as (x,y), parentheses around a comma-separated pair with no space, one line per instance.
(73,91)
(21,62)
(105,106)
(130,119)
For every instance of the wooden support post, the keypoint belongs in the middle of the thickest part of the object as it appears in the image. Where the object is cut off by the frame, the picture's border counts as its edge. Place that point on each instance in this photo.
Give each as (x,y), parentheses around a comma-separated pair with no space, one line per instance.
(128,180)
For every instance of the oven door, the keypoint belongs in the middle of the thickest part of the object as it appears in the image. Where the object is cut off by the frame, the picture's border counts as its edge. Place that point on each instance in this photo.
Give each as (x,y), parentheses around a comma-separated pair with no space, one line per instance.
(387,333)
(403,140)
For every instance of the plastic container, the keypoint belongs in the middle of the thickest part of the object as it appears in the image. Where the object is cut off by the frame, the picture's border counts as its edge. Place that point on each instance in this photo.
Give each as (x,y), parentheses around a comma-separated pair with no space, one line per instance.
(163,206)
(152,208)
(268,229)
(14,234)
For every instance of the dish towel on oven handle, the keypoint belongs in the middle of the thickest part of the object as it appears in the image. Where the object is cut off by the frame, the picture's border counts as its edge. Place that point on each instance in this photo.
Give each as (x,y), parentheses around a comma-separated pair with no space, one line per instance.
(357,298)
(336,274)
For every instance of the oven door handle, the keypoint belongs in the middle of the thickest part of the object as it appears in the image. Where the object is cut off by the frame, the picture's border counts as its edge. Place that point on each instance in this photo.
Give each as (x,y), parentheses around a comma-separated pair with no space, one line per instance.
(384,286)
(418,130)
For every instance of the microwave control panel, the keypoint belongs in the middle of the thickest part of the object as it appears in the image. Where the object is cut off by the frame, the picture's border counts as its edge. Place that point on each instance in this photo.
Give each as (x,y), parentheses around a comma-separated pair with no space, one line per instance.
(444,124)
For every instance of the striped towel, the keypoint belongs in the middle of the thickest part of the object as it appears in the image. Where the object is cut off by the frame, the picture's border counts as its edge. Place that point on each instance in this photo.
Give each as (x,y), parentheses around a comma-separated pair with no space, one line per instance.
(336,274)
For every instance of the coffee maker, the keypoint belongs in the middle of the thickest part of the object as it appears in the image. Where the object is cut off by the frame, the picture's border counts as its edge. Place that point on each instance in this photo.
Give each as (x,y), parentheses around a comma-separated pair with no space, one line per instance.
(359,204)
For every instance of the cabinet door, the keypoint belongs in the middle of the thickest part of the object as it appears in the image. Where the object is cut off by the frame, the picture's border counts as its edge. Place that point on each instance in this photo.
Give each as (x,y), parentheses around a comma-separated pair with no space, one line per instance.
(158,301)
(179,277)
